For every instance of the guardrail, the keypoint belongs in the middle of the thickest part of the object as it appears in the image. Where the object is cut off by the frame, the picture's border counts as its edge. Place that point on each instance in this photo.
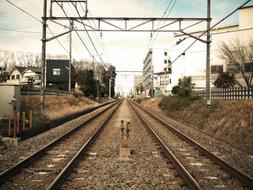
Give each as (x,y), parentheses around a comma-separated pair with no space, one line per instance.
(34,92)
(227,93)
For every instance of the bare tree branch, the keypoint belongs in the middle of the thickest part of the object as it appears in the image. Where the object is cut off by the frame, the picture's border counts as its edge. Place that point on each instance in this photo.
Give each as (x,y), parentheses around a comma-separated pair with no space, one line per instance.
(241,56)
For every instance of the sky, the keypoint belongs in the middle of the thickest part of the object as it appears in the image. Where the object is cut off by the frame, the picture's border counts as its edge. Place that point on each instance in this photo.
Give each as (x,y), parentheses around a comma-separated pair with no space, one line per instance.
(126,51)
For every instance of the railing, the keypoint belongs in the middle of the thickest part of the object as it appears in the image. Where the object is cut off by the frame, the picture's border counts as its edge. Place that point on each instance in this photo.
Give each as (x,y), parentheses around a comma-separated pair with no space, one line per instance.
(227,93)
(34,92)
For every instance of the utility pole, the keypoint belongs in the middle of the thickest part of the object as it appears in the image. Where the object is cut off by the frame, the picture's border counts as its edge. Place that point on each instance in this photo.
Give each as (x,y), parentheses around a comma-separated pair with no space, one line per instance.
(70,53)
(152,81)
(97,88)
(110,88)
(208,39)
(43,56)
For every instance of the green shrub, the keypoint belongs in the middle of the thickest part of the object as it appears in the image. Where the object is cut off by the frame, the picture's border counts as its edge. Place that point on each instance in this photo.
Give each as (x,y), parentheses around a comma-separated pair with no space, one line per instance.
(184,87)
(176,103)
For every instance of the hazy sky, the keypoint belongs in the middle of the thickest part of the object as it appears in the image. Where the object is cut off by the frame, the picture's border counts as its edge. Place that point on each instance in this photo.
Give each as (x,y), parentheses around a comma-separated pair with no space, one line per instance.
(124,50)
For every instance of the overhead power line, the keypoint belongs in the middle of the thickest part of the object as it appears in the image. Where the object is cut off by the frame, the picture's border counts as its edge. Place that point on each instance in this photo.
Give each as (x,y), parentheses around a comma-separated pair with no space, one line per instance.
(75,30)
(88,34)
(27,13)
(209,30)
(165,14)
(24,11)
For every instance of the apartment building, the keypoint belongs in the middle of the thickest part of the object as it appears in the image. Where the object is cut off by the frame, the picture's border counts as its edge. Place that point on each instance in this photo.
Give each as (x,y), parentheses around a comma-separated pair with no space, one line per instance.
(156,61)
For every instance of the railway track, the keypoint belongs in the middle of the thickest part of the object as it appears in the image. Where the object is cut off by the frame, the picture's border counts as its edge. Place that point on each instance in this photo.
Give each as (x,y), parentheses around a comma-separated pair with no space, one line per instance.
(199,168)
(53,162)
(104,169)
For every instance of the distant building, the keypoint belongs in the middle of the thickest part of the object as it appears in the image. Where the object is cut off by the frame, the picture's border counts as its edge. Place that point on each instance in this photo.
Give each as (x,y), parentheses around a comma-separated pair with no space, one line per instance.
(57,74)
(34,74)
(155,61)
(193,62)
(16,76)
(24,75)
(162,82)
(138,80)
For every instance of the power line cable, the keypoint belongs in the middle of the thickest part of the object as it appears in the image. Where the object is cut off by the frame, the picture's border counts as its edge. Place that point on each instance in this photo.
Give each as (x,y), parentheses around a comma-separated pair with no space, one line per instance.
(153,38)
(21,9)
(88,34)
(209,30)
(164,22)
(101,45)
(75,30)
(27,13)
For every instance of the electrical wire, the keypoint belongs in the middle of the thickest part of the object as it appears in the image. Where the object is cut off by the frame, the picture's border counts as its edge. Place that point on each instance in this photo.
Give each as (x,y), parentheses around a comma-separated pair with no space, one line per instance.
(89,35)
(152,39)
(75,30)
(209,30)
(27,13)
(24,11)
(163,23)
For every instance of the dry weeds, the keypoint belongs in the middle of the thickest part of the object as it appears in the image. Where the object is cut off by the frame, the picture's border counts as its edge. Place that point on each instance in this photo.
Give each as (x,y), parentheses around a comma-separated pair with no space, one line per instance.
(229,120)
(59,106)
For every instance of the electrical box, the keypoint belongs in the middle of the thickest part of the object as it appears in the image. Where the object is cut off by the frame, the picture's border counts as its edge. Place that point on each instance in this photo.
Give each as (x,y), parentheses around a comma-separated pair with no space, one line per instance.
(9,99)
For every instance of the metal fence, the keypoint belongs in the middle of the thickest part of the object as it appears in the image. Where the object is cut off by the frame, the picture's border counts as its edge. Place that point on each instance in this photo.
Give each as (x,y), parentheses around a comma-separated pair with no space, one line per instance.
(227,93)
(34,92)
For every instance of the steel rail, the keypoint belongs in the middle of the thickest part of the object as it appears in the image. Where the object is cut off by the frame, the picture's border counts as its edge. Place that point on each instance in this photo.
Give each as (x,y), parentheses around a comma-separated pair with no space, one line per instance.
(240,175)
(59,180)
(36,155)
(182,171)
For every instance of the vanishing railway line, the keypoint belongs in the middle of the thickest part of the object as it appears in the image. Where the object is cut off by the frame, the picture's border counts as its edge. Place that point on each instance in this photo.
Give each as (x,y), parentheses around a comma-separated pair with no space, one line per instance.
(198,167)
(39,169)
(87,157)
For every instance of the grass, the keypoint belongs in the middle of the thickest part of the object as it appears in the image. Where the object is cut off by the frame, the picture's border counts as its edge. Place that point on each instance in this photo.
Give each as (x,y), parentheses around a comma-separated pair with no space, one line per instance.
(176,103)
(56,107)
(227,120)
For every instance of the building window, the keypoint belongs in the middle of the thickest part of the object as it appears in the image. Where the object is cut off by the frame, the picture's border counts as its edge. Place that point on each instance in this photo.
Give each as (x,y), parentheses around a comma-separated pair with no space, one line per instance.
(216,69)
(165,61)
(165,53)
(12,77)
(57,71)
(17,77)
(231,68)
(248,67)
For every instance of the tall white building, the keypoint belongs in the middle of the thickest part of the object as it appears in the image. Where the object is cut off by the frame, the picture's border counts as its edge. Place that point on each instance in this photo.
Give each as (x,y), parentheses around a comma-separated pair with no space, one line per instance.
(193,62)
(155,61)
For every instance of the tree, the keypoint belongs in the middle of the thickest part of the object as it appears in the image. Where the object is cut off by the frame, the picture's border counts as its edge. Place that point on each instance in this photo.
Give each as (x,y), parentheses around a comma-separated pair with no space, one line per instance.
(241,56)
(139,88)
(225,80)
(111,72)
(87,83)
(184,87)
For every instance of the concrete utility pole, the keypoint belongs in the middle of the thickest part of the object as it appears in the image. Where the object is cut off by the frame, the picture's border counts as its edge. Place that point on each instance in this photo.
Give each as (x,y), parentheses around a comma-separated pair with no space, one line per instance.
(152,81)
(70,53)
(43,56)
(208,39)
